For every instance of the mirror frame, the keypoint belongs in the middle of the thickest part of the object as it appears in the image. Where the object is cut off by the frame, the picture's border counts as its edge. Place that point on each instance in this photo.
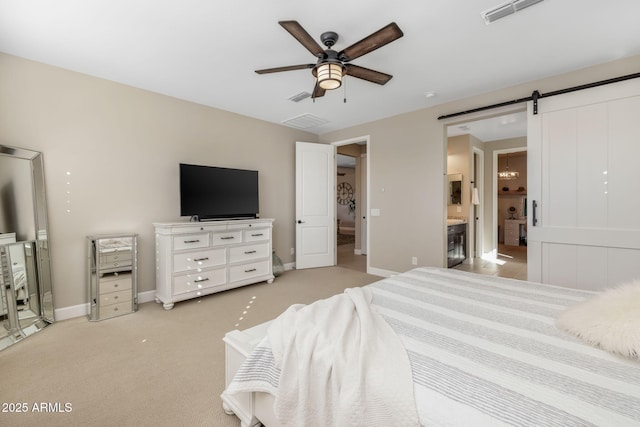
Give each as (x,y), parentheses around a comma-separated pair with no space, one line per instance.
(455,178)
(41,225)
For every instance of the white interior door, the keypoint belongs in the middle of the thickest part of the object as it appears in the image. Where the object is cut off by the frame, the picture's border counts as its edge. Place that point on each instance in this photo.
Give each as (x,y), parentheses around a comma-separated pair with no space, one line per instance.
(583,156)
(363,202)
(315,205)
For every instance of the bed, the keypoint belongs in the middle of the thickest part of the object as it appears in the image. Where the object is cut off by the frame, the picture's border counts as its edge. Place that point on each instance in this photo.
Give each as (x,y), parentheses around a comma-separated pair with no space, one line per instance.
(482,351)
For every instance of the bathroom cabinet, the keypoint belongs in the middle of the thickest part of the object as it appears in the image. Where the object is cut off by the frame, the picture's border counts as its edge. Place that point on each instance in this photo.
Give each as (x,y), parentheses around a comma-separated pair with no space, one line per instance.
(456,244)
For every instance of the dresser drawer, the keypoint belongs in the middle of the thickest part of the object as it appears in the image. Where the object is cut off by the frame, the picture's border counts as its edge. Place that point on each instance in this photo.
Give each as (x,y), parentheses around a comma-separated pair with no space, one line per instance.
(190,241)
(190,229)
(247,271)
(201,280)
(117,309)
(115,297)
(227,238)
(256,235)
(115,282)
(248,252)
(200,259)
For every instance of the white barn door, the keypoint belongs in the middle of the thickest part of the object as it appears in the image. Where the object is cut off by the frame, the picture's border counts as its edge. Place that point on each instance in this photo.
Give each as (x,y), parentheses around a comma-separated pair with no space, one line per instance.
(315,205)
(584,177)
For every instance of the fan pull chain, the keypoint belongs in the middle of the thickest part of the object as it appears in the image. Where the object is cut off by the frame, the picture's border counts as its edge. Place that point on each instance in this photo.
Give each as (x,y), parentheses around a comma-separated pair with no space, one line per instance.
(344,84)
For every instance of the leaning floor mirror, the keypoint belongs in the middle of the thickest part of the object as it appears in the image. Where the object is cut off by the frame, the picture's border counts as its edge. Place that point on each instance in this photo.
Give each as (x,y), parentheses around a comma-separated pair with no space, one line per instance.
(26,296)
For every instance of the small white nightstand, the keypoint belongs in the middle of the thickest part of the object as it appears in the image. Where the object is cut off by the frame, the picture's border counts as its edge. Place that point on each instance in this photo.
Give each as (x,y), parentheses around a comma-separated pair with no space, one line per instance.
(239,345)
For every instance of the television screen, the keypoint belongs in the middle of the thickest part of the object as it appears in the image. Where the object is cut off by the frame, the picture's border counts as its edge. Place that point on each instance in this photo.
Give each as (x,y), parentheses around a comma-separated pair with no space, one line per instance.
(210,192)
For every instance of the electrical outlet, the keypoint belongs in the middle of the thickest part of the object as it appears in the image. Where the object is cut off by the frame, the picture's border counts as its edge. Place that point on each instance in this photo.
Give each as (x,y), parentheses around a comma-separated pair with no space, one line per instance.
(414,260)
(293,251)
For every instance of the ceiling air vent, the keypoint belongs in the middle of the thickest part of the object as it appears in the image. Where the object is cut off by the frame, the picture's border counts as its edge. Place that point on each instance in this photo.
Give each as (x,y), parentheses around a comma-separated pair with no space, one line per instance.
(506,9)
(305,121)
(299,97)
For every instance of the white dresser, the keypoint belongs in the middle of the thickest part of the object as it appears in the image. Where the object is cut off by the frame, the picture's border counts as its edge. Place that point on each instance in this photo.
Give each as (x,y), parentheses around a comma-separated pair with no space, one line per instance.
(200,258)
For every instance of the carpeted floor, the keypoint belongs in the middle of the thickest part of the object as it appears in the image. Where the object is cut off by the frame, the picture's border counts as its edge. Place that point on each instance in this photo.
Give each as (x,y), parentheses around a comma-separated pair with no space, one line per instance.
(152,367)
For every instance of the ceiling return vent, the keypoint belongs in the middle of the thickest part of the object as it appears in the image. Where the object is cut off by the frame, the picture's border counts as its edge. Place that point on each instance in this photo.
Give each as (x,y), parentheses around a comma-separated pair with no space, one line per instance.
(299,97)
(506,9)
(305,121)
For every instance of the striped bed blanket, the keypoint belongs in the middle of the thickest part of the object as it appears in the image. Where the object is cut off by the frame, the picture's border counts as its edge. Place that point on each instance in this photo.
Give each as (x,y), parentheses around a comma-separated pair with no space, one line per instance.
(485,351)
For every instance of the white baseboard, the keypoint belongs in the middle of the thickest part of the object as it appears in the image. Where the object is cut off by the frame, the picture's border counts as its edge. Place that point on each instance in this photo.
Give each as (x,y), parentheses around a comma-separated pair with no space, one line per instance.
(147,296)
(381,272)
(70,312)
(290,266)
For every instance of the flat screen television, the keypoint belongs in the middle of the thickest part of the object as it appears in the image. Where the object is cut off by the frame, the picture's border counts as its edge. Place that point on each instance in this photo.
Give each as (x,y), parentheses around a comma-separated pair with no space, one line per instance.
(209,192)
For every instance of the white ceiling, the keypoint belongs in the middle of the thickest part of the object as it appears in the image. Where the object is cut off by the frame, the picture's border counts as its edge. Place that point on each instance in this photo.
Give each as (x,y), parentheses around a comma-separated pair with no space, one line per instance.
(207,51)
(502,127)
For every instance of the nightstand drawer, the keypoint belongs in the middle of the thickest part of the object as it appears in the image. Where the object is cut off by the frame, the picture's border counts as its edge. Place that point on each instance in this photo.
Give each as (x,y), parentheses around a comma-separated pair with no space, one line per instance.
(191,241)
(115,297)
(109,257)
(118,309)
(115,282)
(200,259)
(201,280)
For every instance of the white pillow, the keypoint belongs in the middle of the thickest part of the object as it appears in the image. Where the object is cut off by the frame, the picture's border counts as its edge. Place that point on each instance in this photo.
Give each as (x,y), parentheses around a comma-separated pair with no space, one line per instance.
(610,320)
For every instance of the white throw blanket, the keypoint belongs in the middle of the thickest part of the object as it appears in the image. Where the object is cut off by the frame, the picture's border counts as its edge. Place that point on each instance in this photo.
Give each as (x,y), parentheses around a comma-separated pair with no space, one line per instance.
(341,365)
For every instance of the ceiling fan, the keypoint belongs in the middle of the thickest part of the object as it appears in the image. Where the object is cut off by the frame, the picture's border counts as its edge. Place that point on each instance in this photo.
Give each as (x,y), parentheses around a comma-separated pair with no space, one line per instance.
(331,65)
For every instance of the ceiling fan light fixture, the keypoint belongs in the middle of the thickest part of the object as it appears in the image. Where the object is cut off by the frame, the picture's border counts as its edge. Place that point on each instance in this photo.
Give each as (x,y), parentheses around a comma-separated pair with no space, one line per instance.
(329,75)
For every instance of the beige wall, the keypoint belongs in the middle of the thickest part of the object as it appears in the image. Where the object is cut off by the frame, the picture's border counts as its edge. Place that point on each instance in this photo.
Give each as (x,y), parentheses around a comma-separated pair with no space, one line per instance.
(408,167)
(122,147)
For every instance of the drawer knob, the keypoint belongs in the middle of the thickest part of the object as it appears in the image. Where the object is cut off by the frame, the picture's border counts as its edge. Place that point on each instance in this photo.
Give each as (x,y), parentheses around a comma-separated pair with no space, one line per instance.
(201,259)
(192,241)
(249,252)
(115,286)
(250,270)
(257,235)
(227,237)
(201,280)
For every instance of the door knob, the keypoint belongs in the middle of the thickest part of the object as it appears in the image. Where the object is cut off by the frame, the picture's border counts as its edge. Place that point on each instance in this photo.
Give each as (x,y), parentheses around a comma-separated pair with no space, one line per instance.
(300,222)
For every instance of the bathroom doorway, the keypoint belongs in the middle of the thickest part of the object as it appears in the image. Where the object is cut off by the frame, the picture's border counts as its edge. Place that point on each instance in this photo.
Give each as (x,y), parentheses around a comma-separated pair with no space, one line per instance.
(486,139)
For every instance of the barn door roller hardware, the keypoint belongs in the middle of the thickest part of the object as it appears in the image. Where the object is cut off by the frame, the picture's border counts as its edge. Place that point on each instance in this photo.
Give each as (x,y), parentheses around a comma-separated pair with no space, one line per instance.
(535,96)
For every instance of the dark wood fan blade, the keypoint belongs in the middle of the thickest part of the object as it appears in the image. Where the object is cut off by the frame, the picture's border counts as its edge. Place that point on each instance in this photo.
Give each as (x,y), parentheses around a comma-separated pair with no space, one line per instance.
(318,91)
(289,68)
(372,42)
(367,74)
(303,37)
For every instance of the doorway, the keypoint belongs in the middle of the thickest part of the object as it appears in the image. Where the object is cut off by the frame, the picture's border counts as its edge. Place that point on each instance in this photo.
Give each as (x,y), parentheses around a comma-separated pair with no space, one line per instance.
(510,211)
(352,200)
(478,143)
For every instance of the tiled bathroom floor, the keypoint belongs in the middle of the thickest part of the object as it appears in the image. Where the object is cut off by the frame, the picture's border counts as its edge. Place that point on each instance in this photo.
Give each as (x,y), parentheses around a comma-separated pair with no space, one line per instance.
(511,262)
